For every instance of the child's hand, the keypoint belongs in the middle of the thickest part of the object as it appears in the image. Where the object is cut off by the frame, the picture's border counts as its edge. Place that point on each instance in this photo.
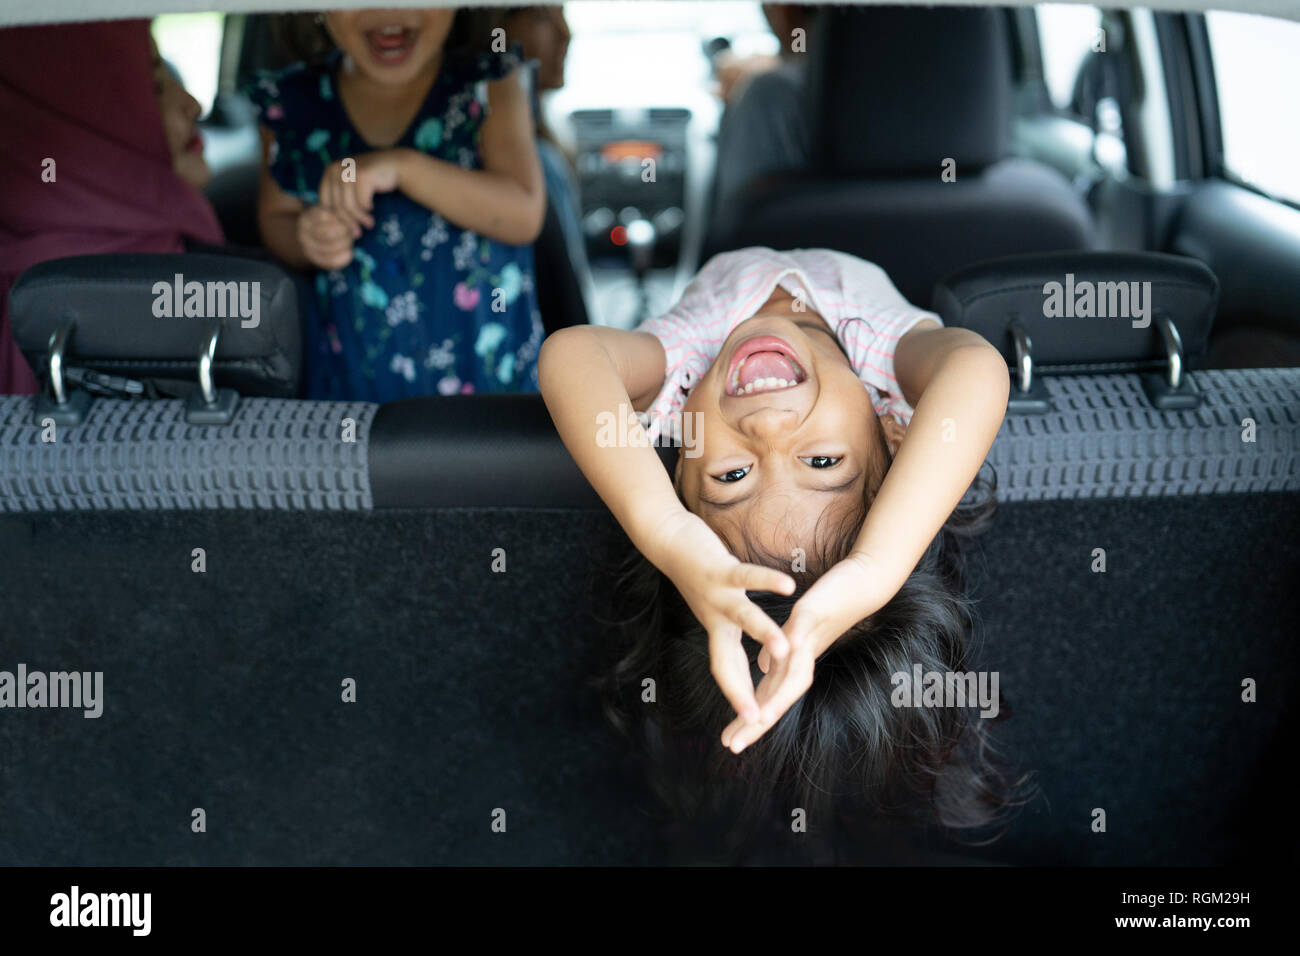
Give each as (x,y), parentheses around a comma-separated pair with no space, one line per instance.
(349,192)
(850,591)
(843,596)
(713,583)
(784,682)
(325,238)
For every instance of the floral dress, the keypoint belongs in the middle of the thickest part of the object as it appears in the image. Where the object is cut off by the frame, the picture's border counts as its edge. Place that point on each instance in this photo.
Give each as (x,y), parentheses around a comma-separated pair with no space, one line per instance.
(425,307)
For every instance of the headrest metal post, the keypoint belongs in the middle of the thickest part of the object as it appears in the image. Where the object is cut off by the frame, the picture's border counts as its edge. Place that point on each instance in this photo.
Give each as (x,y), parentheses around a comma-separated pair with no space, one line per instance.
(210,405)
(206,357)
(1172,391)
(1173,349)
(1024,354)
(1031,397)
(57,349)
(62,405)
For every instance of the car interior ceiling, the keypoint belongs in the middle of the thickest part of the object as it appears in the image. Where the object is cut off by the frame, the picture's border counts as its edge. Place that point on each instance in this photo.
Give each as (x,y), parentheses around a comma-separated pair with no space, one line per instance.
(1106,448)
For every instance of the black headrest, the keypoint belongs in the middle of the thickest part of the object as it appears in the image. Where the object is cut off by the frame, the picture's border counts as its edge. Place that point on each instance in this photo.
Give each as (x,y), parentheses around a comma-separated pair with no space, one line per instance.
(145,317)
(1084,307)
(897,90)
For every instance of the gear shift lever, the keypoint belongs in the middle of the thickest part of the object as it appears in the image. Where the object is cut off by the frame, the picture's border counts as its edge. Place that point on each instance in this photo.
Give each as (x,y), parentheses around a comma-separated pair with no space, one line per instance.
(641,236)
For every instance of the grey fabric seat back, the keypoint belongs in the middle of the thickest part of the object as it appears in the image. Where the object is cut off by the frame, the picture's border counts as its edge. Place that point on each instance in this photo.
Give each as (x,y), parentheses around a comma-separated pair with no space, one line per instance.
(1100,438)
(373,558)
(909,113)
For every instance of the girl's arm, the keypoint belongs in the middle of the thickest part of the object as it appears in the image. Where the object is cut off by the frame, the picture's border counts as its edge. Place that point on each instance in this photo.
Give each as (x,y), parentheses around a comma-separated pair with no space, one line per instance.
(958,385)
(587,373)
(589,376)
(505,200)
(277,213)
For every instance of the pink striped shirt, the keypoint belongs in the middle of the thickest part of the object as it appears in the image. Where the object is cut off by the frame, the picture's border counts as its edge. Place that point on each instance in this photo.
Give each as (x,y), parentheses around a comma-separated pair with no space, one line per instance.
(854,296)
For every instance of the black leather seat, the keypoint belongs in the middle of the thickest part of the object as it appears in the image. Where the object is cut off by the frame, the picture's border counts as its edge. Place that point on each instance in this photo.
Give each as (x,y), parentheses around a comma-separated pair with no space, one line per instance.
(892,94)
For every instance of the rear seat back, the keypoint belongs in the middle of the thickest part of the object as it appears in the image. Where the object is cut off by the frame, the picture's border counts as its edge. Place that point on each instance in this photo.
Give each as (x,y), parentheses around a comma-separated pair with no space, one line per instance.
(1141,568)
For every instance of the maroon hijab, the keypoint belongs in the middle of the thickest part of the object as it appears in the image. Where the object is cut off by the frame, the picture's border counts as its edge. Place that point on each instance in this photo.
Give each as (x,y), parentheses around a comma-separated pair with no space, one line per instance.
(82,95)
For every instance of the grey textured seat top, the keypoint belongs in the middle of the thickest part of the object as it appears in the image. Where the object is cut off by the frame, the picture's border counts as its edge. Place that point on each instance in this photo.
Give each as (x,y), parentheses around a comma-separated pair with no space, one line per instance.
(1102,440)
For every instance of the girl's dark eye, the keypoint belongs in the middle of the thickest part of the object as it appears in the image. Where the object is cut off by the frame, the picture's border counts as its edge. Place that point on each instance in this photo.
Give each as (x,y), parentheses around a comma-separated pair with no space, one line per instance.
(734,475)
(821,461)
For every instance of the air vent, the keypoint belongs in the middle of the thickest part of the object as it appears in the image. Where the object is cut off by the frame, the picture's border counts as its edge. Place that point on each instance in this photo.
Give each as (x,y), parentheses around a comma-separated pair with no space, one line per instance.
(673,115)
(592,118)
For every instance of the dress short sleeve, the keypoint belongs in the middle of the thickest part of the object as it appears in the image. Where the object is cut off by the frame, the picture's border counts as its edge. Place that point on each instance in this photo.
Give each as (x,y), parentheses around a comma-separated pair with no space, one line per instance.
(288,109)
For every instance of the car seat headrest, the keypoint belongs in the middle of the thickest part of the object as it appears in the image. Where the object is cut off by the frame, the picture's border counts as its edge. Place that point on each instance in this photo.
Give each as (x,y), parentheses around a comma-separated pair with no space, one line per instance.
(1088,311)
(898,90)
(133,320)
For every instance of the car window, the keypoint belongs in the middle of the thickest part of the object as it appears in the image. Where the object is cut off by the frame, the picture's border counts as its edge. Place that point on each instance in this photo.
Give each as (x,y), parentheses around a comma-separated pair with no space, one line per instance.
(191,43)
(1257,70)
(1067,34)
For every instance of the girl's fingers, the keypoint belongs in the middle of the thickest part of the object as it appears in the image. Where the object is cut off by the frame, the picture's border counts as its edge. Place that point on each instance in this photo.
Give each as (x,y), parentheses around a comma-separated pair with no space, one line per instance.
(347,207)
(356,204)
(366,197)
(338,239)
(358,196)
(326,198)
(740,733)
(786,683)
(334,196)
(730,730)
(764,660)
(792,682)
(340,254)
(761,628)
(730,668)
(329,228)
(331,238)
(800,626)
(755,577)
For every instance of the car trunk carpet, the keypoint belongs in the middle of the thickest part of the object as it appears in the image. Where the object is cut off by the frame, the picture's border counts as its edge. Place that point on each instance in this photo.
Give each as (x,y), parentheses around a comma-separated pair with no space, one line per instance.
(223,689)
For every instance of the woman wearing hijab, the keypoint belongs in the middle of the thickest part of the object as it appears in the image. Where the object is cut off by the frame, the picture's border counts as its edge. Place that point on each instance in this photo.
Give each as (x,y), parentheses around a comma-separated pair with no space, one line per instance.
(100,154)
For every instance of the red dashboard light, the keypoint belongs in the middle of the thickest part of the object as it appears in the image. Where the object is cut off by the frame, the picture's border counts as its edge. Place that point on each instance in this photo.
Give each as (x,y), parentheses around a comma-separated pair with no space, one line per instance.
(618,235)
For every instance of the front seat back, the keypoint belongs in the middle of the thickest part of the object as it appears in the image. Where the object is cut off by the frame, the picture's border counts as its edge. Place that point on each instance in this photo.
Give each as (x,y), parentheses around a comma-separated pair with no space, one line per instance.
(909,112)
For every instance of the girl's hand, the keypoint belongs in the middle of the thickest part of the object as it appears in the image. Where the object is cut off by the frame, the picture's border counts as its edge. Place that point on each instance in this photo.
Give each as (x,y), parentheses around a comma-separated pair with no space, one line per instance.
(850,591)
(353,198)
(326,239)
(713,583)
(784,682)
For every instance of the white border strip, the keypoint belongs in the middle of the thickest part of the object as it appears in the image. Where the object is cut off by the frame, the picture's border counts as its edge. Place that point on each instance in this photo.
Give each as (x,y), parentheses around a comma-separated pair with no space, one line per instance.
(13,12)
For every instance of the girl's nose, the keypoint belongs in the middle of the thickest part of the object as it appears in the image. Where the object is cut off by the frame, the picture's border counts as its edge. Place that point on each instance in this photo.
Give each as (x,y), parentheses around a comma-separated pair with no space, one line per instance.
(768,424)
(193,108)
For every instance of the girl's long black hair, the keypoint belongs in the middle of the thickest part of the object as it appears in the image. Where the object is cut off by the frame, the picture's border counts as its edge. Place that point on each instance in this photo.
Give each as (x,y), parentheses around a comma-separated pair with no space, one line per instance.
(844,755)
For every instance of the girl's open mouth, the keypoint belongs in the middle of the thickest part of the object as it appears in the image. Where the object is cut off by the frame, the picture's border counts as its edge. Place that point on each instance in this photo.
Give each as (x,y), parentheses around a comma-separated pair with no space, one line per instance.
(195,145)
(390,45)
(763,364)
